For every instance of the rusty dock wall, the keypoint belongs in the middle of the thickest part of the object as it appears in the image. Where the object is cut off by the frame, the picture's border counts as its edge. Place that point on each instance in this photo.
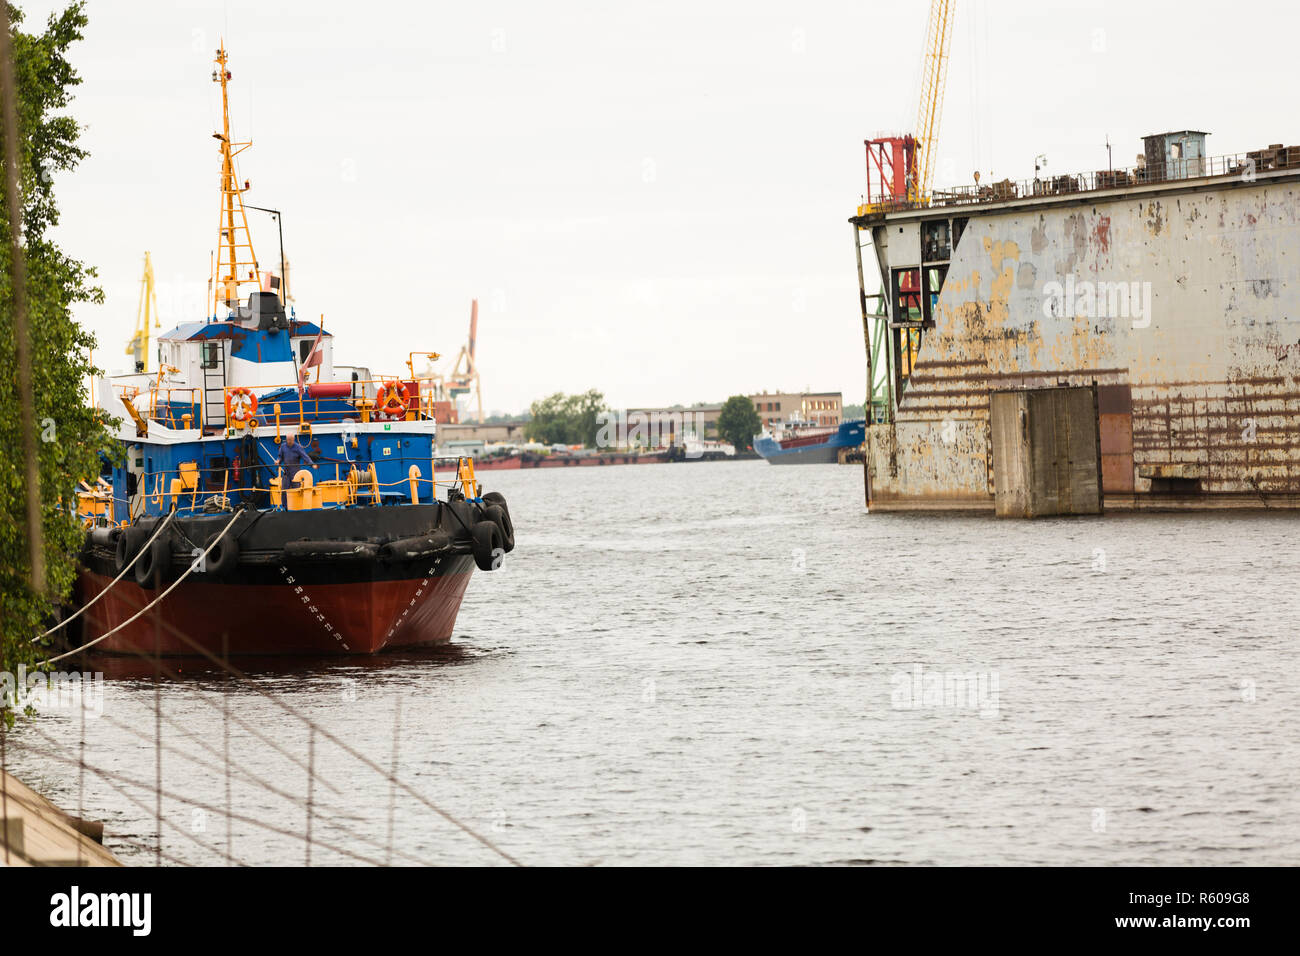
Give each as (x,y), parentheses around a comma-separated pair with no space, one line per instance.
(1179,303)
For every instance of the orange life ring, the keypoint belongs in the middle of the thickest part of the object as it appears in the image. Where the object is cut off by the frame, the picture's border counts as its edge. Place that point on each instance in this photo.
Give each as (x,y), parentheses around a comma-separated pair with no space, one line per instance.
(241,406)
(392,402)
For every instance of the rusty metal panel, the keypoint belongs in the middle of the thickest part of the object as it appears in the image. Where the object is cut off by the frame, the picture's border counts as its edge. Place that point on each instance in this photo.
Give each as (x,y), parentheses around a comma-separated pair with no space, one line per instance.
(1117,435)
(1114,399)
(1117,473)
(1116,448)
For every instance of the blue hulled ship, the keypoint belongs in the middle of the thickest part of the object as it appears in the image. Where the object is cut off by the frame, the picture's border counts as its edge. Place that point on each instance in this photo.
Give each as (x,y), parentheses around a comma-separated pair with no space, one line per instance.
(808,444)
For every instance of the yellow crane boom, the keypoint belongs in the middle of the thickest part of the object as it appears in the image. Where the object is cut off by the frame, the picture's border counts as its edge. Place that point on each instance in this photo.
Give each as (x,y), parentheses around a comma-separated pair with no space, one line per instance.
(934,76)
(138,347)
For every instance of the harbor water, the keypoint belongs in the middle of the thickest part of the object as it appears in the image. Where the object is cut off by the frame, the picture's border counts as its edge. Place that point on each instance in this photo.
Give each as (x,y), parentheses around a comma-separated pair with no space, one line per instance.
(733,663)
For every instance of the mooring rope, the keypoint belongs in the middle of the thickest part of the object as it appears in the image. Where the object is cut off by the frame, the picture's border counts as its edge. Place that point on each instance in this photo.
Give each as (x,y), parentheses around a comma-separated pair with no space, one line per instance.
(175,584)
(129,565)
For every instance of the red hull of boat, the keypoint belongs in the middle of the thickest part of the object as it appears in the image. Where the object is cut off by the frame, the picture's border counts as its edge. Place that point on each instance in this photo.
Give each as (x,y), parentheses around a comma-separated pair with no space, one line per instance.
(510,463)
(325,618)
(516,462)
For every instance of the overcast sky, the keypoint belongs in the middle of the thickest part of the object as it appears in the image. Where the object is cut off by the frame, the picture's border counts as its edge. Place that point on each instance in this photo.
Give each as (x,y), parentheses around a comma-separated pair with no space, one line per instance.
(648,199)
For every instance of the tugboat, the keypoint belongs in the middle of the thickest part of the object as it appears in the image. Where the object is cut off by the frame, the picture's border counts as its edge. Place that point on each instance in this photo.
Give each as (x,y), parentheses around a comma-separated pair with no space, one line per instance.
(258,511)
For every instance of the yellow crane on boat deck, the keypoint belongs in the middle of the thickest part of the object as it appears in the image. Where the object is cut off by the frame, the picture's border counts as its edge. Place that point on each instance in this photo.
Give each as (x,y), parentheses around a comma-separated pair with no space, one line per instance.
(138,347)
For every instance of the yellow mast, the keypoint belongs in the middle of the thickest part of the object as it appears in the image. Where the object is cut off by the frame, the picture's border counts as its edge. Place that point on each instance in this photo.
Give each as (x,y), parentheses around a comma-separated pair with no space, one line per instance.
(236,262)
(138,347)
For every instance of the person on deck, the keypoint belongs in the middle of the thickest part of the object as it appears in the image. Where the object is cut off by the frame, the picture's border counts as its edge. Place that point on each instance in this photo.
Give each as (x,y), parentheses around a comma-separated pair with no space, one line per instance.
(293,457)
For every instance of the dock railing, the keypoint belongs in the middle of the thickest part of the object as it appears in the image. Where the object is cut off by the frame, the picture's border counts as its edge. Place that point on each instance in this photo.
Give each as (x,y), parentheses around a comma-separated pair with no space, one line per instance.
(1246,165)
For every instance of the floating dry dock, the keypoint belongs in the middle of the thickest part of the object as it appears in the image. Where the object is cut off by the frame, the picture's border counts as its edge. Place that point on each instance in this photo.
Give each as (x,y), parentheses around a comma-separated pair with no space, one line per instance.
(1143,323)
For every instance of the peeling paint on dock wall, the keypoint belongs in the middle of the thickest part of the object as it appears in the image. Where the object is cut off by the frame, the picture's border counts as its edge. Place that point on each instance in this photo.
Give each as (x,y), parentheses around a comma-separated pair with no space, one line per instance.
(1206,380)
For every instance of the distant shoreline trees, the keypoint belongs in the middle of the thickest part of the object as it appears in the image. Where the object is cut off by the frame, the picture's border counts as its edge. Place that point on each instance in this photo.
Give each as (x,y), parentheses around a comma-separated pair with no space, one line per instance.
(562,419)
(738,422)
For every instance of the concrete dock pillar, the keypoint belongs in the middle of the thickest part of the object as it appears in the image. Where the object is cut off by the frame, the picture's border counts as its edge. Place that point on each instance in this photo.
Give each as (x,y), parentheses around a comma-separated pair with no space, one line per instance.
(1046,452)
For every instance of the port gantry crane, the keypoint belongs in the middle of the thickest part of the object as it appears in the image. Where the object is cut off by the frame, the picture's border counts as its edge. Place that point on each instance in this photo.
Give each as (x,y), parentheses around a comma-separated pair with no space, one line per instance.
(463,377)
(464,373)
(900,174)
(138,347)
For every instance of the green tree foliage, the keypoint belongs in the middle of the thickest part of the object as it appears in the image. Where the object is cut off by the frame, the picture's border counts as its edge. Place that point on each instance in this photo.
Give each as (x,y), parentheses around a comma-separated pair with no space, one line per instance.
(566,419)
(738,422)
(70,434)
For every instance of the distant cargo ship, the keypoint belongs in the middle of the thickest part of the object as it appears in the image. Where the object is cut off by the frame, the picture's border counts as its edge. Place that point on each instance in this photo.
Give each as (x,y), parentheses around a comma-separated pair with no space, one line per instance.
(804,444)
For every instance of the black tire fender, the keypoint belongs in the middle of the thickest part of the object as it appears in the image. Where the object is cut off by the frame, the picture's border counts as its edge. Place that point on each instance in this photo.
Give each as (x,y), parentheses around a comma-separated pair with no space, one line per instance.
(419,546)
(137,534)
(487,545)
(121,552)
(497,515)
(156,557)
(223,557)
(307,550)
(495,498)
